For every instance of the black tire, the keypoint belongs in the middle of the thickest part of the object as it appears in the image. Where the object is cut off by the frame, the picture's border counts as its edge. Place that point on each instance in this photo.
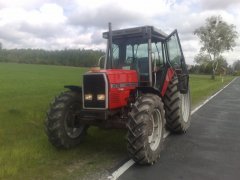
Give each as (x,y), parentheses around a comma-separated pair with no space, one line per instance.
(144,142)
(62,126)
(177,108)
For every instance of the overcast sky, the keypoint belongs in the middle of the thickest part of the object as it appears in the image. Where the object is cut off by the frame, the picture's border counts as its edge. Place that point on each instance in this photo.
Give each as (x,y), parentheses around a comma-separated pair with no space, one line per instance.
(59,24)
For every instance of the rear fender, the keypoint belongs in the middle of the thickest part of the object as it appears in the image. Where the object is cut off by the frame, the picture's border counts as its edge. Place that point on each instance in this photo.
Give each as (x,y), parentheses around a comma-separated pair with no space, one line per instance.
(169,75)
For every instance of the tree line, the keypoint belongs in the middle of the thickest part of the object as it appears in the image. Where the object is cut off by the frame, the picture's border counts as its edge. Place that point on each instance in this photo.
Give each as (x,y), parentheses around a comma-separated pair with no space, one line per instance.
(66,57)
(206,68)
(89,58)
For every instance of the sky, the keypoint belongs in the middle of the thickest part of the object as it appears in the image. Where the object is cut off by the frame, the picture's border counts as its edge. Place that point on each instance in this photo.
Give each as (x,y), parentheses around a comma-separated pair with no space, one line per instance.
(60,24)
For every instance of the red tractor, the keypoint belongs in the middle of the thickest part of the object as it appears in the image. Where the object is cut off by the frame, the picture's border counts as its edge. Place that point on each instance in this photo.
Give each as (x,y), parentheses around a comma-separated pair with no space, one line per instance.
(142,85)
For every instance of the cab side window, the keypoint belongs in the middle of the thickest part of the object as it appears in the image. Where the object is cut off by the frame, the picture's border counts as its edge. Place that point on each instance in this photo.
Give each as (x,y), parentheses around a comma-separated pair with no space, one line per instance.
(115,49)
(157,55)
(174,52)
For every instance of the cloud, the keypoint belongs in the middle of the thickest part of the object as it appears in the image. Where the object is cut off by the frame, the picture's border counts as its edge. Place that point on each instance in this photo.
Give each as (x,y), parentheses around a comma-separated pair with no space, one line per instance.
(59,24)
(19,26)
(100,17)
(96,37)
(11,35)
(218,4)
(44,31)
(23,3)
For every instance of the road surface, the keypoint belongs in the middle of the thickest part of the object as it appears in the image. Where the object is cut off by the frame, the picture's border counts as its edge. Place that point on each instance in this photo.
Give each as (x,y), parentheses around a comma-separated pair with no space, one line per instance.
(210,150)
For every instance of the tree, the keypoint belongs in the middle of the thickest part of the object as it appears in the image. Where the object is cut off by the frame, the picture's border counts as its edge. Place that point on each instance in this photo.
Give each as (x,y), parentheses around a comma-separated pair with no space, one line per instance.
(236,65)
(202,59)
(216,36)
(205,63)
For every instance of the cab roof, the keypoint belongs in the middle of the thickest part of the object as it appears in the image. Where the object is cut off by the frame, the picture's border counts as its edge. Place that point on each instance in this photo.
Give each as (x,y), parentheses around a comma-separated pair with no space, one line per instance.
(137,32)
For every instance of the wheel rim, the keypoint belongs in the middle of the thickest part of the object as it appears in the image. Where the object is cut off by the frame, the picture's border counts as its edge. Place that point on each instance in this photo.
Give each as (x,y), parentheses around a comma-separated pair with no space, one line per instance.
(156,128)
(72,125)
(185,107)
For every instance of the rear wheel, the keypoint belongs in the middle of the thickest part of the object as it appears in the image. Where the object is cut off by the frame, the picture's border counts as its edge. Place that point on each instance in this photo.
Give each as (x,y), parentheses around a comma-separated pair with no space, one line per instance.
(177,107)
(62,123)
(146,129)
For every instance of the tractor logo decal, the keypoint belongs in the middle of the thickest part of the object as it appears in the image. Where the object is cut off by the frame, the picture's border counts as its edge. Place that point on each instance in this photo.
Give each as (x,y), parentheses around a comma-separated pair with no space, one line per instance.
(124,85)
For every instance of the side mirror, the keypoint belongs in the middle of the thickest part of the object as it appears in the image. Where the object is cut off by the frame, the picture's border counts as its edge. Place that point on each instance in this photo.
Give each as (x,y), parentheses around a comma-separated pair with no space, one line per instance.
(101,62)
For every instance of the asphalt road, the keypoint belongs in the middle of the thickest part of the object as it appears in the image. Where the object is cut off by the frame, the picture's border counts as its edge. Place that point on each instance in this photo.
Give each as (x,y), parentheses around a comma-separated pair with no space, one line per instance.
(210,150)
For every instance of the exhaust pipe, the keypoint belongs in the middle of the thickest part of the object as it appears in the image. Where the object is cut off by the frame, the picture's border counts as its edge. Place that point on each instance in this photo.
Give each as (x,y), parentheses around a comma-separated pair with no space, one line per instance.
(110,44)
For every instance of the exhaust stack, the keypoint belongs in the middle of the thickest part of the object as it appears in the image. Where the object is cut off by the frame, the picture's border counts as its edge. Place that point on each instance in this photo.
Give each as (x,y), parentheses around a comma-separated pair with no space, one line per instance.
(110,44)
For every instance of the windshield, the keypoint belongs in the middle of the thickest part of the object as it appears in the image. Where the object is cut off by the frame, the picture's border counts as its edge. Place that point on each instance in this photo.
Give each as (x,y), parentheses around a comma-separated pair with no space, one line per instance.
(125,56)
(134,55)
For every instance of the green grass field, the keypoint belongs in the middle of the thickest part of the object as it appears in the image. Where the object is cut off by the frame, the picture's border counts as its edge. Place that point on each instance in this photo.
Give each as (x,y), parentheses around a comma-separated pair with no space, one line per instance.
(25,153)
(202,86)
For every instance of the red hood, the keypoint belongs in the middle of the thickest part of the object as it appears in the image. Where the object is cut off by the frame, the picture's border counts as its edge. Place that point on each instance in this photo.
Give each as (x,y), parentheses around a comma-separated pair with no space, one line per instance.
(117,76)
(120,84)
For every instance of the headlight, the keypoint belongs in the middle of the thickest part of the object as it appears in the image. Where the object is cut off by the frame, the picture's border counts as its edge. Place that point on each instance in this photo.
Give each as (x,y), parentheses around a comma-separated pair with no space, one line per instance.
(88,97)
(101,97)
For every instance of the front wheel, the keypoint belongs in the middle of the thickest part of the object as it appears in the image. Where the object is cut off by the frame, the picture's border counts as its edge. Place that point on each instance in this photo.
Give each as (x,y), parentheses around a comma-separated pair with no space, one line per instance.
(177,107)
(62,125)
(146,129)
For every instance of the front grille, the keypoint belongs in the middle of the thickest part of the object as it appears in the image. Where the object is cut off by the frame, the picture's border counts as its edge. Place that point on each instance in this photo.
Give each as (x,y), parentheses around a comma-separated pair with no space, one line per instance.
(94,84)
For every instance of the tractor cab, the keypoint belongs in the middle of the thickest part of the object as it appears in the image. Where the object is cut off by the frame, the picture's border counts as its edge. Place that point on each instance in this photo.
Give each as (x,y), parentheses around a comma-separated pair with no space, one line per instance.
(149,51)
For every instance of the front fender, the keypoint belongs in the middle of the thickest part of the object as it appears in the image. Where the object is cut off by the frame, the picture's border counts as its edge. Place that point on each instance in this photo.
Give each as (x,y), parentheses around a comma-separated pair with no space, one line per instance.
(74,88)
(149,90)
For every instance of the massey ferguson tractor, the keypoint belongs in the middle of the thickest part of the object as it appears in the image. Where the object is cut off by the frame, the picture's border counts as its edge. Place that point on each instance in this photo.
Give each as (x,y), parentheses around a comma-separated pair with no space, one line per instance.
(142,85)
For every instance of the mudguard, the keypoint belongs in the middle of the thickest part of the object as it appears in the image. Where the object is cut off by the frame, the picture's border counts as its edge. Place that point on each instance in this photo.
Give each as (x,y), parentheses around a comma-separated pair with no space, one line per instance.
(74,88)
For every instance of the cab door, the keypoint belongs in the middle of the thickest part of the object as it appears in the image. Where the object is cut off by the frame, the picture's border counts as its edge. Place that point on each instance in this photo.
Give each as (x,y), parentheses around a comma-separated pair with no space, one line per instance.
(176,60)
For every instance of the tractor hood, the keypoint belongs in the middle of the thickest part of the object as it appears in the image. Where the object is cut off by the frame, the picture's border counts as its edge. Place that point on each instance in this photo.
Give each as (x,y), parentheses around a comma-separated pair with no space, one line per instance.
(119,76)
(116,84)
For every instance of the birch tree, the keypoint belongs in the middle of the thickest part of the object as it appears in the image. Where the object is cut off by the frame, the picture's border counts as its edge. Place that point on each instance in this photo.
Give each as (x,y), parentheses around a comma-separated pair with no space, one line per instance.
(216,36)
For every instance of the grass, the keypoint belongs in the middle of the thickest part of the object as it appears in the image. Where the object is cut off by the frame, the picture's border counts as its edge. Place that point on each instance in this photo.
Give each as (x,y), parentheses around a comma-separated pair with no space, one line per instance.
(202,86)
(25,153)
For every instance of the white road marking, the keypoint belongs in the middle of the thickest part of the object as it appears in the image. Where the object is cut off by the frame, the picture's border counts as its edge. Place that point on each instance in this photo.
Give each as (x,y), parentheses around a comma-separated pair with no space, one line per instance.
(116,174)
(121,170)
(166,134)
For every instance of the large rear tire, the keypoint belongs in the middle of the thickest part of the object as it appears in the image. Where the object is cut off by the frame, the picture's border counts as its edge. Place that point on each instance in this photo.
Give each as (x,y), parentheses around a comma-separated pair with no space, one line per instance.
(146,129)
(177,107)
(62,124)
